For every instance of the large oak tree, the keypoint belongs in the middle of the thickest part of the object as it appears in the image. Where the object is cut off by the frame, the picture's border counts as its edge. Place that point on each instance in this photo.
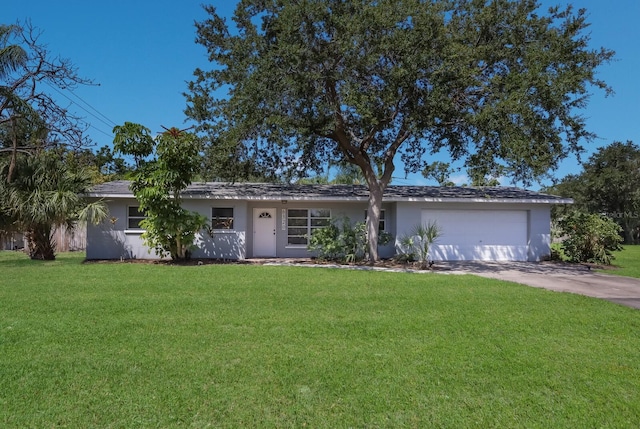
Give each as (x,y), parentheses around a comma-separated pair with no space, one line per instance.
(496,84)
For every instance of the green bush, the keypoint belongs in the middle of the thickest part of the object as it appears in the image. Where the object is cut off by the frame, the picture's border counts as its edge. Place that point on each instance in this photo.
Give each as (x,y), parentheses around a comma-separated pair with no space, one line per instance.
(589,237)
(343,242)
(416,245)
(557,252)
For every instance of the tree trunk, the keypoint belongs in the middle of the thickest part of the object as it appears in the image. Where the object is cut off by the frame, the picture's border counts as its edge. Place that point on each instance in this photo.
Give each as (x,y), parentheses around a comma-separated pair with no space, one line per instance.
(39,243)
(628,229)
(376,192)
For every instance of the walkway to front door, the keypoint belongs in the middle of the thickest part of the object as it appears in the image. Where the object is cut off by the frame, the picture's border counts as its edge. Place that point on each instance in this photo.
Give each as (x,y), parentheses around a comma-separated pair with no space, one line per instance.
(264,233)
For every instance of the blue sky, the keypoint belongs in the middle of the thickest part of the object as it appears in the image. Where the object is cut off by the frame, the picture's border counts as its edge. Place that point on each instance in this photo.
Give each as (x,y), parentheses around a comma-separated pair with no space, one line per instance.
(142,53)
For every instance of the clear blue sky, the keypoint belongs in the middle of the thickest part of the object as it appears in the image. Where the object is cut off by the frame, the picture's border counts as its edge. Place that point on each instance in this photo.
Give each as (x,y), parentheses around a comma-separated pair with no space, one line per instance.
(142,53)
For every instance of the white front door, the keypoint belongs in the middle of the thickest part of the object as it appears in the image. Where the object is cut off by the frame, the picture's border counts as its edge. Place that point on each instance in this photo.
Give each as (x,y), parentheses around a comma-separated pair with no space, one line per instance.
(264,233)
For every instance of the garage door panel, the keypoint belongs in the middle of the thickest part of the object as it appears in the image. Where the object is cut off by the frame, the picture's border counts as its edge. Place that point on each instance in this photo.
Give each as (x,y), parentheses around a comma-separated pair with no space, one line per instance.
(441,252)
(479,234)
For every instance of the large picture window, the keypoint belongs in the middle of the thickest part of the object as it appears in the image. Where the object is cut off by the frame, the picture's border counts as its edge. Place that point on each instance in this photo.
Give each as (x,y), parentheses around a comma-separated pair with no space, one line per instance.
(134,216)
(302,222)
(222,218)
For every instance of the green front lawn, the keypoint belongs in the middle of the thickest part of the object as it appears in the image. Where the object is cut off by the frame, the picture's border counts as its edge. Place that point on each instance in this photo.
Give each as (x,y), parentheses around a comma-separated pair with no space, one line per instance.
(144,345)
(626,262)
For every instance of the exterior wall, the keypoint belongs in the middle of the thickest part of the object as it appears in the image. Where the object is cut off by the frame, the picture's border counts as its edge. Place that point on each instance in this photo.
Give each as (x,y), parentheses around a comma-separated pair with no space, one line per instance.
(539,233)
(354,211)
(112,239)
(538,221)
(222,243)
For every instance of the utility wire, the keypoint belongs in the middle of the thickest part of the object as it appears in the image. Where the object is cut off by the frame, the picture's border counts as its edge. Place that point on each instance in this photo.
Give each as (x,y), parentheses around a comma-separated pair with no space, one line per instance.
(110,135)
(82,107)
(112,123)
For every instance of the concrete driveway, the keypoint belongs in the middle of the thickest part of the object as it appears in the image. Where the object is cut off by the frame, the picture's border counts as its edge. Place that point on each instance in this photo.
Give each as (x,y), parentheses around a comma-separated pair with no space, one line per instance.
(556,276)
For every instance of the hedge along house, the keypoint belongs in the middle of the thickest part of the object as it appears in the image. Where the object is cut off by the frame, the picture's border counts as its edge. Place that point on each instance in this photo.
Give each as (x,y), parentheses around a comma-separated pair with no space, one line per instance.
(258,220)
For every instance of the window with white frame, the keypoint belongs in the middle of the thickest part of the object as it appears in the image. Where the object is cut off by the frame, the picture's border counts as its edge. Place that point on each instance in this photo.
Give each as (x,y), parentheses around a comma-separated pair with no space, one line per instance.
(302,222)
(382,226)
(134,217)
(222,218)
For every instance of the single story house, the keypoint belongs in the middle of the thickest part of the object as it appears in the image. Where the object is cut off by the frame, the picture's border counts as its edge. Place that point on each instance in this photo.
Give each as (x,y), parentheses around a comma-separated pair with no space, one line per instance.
(259,220)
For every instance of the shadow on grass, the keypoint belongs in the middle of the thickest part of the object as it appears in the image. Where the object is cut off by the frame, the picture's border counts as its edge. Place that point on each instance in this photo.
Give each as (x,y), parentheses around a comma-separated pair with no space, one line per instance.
(18,258)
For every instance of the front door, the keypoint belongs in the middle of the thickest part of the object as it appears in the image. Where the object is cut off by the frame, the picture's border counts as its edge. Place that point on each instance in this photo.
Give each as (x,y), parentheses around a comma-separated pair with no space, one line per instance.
(264,233)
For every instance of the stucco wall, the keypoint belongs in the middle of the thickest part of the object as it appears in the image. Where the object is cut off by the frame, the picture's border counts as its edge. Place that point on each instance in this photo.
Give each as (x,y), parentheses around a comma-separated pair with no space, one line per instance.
(354,211)
(539,233)
(112,239)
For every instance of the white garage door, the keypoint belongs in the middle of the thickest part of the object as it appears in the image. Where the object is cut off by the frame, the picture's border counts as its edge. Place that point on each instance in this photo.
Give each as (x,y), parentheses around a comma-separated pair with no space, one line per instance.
(489,235)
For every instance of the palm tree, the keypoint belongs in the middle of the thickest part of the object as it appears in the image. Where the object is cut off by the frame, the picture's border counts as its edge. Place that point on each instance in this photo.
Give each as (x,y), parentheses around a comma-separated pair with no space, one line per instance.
(43,197)
(11,56)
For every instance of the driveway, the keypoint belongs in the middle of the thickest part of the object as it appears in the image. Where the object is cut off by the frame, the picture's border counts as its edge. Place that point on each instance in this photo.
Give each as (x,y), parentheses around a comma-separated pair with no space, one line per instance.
(572,278)
(555,276)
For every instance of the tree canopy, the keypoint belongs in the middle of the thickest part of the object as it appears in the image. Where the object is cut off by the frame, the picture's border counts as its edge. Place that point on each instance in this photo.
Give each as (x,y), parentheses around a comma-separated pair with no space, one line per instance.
(166,165)
(495,84)
(30,117)
(609,184)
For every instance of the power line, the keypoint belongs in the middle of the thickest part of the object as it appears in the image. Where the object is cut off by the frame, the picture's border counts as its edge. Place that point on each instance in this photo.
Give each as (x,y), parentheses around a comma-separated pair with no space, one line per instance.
(112,123)
(82,107)
(110,135)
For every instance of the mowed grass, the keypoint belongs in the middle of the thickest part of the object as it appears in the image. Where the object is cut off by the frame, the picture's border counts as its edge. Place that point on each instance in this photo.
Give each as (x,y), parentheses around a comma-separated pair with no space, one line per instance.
(124,345)
(626,262)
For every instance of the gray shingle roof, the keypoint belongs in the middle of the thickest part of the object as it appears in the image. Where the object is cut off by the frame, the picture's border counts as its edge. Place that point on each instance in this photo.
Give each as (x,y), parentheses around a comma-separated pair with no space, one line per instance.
(276,192)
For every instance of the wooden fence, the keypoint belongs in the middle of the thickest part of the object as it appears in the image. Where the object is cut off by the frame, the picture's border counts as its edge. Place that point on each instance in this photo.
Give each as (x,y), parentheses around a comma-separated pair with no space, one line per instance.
(66,240)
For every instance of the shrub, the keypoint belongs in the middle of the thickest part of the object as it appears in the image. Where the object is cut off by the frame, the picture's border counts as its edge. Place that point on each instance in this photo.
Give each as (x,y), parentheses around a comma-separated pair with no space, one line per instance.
(557,252)
(589,237)
(417,244)
(343,242)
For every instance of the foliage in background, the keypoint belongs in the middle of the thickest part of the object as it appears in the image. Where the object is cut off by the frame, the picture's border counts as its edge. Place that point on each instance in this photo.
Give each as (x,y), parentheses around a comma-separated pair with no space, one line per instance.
(588,237)
(343,241)
(496,85)
(45,194)
(165,165)
(416,245)
(609,184)
(30,118)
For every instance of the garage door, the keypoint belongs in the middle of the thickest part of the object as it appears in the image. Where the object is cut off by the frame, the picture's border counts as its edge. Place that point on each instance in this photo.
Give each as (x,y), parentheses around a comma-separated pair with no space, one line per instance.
(489,235)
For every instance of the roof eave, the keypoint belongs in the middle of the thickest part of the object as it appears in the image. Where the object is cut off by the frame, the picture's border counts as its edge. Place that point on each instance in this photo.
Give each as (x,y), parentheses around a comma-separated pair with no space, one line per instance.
(356,198)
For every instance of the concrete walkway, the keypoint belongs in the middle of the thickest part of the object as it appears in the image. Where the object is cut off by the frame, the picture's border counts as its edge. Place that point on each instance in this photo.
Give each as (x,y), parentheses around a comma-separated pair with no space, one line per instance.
(558,277)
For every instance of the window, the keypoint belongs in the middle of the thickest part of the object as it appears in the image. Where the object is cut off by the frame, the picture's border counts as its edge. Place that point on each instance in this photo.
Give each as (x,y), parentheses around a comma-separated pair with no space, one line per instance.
(134,216)
(302,222)
(222,218)
(381,223)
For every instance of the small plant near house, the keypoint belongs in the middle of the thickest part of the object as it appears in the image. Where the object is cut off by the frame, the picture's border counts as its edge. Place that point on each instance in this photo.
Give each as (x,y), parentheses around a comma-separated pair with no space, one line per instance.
(416,245)
(341,241)
(589,237)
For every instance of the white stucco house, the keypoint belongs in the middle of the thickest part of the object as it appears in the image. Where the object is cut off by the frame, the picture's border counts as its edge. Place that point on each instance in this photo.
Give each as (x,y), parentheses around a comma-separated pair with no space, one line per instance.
(258,220)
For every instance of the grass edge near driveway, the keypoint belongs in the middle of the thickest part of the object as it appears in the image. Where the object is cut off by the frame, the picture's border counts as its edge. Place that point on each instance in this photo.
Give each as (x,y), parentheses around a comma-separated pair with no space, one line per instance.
(121,345)
(626,262)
